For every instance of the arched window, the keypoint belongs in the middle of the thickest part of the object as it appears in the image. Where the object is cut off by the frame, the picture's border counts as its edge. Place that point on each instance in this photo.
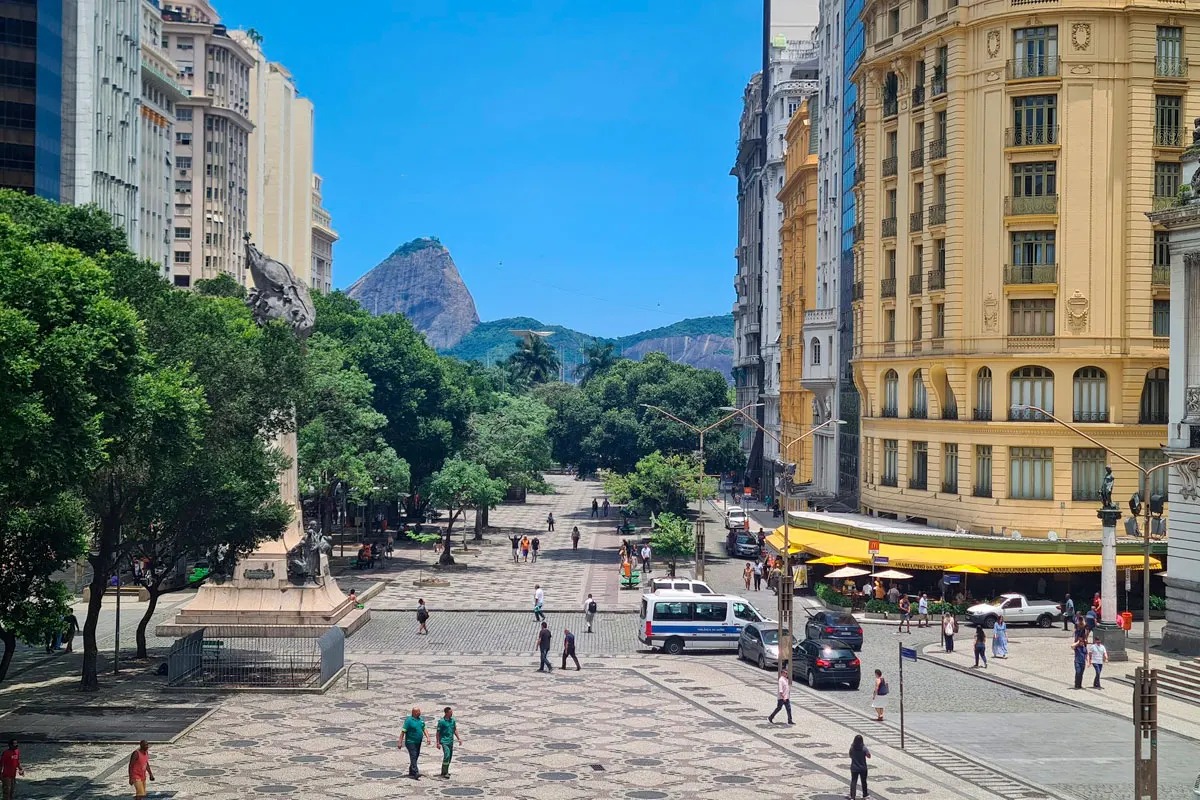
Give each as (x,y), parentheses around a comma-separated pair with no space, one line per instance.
(1030,386)
(1091,395)
(1154,397)
(949,401)
(983,394)
(919,405)
(891,394)
(815,347)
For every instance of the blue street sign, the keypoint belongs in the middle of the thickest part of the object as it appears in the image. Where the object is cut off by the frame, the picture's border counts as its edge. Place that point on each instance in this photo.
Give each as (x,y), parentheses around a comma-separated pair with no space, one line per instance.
(908,652)
(949,578)
(881,560)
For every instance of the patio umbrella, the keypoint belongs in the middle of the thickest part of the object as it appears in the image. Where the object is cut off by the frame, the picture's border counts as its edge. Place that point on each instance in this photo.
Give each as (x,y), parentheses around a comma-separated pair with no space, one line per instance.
(967,569)
(847,572)
(893,574)
(834,561)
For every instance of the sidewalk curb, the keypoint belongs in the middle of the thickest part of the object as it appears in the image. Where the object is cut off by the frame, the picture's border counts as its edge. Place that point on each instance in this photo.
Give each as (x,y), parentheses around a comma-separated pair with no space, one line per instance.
(522,610)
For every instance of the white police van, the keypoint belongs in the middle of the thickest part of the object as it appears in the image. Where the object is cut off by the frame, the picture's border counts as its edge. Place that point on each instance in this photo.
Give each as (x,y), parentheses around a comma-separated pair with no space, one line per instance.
(671,620)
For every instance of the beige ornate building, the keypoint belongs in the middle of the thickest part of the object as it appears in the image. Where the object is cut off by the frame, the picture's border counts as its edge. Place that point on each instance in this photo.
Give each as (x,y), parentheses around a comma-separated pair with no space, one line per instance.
(323,238)
(1010,150)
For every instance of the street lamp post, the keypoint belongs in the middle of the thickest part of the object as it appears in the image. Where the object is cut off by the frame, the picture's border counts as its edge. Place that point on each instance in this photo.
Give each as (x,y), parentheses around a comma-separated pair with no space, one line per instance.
(700,469)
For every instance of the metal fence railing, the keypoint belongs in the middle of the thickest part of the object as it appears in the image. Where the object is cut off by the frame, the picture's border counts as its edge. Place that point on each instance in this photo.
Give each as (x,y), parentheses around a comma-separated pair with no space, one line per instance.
(246,661)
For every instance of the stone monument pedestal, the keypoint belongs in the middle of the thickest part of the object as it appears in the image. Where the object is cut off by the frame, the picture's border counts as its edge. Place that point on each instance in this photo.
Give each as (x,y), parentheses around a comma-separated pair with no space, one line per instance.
(1113,638)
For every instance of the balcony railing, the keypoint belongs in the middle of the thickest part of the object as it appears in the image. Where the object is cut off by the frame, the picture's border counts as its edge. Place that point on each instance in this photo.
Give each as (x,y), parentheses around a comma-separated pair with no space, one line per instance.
(1032,135)
(918,413)
(1027,67)
(860,117)
(937,214)
(917,483)
(1090,416)
(982,415)
(1022,414)
(889,166)
(887,480)
(1036,204)
(914,283)
(1153,417)
(1161,202)
(887,287)
(890,413)
(951,412)
(1025,274)
(856,290)
(916,221)
(888,226)
(937,280)
(1160,276)
(1168,136)
(918,96)
(858,232)
(981,491)
(1165,67)
(890,107)
(937,86)
(860,175)
(950,487)
(916,158)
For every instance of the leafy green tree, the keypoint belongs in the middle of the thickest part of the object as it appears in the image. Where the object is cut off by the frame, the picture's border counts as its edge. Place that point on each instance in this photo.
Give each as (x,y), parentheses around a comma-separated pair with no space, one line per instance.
(534,362)
(84,228)
(672,540)
(598,358)
(423,539)
(658,483)
(460,485)
(512,443)
(221,286)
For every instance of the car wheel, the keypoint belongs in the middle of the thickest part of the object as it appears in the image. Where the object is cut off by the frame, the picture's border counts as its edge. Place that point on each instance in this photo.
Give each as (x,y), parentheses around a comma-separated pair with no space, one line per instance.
(762,661)
(673,646)
(811,678)
(1045,621)
(989,622)
(741,654)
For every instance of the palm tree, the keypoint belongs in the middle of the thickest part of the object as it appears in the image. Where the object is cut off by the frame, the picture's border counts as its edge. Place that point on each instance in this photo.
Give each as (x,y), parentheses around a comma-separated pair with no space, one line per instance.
(534,361)
(598,357)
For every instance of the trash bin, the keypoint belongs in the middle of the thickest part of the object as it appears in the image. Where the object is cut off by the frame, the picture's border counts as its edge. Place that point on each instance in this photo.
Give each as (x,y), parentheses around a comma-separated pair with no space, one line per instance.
(1126,620)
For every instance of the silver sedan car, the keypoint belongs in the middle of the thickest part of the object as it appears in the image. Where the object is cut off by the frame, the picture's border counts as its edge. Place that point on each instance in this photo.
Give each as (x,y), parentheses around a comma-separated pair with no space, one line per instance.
(759,643)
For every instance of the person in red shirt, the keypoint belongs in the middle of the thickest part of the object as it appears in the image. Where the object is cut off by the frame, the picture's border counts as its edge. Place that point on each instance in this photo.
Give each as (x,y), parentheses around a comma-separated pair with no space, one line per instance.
(10,768)
(139,769)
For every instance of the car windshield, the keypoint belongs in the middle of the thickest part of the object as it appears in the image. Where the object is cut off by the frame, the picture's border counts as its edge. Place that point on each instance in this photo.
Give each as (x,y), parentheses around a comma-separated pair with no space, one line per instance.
(745,538)
(843,619)
(770,636)
(837,652)
(999,601)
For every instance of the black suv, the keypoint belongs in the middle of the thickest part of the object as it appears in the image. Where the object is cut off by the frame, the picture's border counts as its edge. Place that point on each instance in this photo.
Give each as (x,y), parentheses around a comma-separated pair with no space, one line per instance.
(820,662)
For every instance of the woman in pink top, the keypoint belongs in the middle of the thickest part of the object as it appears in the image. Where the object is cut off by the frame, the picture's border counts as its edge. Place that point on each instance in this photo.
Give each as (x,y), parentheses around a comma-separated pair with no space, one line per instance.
(139,769)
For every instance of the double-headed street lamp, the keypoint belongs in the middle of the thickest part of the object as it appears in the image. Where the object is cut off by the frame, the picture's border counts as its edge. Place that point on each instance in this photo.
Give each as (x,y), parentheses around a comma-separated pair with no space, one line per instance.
(700,486)
(786,587)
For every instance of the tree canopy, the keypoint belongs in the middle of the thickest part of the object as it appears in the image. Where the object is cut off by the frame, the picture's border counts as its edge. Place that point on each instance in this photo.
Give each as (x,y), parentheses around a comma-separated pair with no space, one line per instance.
(658,483)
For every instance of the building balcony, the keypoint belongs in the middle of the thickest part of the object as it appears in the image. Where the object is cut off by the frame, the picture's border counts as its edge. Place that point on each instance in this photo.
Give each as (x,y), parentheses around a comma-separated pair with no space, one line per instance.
(887,480)
(981,414)
(916,221)
(914,284)
(937,214)
(937,149)
(856,291)
(917,483)
(950,487)
(1153,417)
(820,316)
(1022,414)
(1168,136)
(916,158)
(1090,416)
(857,232)
(1031,136)
(937,280)
(937,86)
(890,413)
(887,226)
(860,175)
(1163,202)
(1165,67)
(1030,274)
(887,287)
(889,166)
(918,96)
(860,117)
(1160,275)
(950,413)
(890,107)
(918,413)
(1037,204)
(1032,67)
(981,491)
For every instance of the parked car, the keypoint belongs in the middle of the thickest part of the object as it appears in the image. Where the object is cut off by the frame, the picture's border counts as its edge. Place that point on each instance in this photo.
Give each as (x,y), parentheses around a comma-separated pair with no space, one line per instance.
(835,625)
(743,545)
(735,518)
(759,643)
(821,662)
(1016,610)
(666,584)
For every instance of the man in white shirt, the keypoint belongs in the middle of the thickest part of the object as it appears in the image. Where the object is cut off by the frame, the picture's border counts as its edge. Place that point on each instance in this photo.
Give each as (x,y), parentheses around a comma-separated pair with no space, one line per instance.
(589,612)
(758,575)
(645,558)
(923,611)
(783,697)
(539,600)
(1097,656)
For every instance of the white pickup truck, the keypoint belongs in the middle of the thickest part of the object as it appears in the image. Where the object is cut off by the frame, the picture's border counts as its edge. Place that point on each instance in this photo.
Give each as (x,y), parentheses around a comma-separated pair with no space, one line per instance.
(1016,609)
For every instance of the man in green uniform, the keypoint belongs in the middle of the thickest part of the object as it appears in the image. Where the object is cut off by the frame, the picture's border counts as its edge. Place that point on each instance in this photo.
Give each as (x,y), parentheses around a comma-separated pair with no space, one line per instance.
(412,734)
(447,733)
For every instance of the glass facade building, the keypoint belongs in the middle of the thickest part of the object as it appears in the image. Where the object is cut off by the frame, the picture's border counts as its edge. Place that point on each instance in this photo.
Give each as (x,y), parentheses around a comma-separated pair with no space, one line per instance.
(31,96)
(848,402)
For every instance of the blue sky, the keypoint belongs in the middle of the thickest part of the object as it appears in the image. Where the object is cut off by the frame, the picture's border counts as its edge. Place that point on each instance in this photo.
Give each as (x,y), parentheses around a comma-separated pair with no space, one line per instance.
(572,154)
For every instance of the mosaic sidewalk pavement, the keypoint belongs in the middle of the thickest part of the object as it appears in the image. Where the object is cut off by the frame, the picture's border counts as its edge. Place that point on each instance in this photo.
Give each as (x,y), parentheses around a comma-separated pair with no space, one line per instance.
(640,728)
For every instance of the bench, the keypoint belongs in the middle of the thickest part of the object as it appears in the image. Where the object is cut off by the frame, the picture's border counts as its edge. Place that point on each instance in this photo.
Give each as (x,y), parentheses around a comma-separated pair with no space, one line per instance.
(628,527)
(632,581)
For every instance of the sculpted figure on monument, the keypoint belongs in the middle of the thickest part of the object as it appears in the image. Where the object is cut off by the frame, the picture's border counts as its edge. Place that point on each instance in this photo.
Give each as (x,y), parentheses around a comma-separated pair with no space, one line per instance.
(1106,489)
(278,293)
(304,560)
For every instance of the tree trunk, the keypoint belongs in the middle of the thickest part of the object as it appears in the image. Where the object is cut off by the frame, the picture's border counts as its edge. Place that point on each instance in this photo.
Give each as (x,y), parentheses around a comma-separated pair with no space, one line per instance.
(479,523)
(102,562)
(10,647)
(447,559)
(671,567)
(141,628)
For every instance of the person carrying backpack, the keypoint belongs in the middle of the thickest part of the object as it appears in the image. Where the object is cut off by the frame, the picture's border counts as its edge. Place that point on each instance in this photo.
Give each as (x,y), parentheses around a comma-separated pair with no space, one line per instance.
(589,612)
(879,699)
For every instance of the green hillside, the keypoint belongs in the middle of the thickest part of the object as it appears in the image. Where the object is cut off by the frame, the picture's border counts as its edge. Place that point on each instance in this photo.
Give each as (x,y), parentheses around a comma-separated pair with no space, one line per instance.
(719,325)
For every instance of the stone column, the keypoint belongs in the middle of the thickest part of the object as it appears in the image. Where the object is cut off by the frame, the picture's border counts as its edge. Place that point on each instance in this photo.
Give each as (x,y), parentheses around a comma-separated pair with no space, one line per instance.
(1112,635)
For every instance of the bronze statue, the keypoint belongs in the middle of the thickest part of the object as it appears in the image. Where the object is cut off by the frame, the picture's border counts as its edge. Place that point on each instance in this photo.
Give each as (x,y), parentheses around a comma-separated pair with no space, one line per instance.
(304,560)
(1106,489)
(278,293)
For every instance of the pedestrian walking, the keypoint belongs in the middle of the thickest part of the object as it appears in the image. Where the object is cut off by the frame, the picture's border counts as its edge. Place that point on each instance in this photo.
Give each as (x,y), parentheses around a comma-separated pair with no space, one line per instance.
(536,545)
(422,616)
(604,508)
(139,769)
(10,768)
(980,646)
(516,543)
(858,765)
(589,612)
(595,508)
(569,649)
(525,548)
(905,614)
(550,521)
(783,696)
(1079,647)
(758,575)
(72,630)
(1000,638)
(539,600)
(575,538)
(1097,657)
(1068,613)
(923,611)
(447,735)
(879,697)
(412,735)
(949,628)
(1090,619)
(543,643)
(747,575)
(645,558)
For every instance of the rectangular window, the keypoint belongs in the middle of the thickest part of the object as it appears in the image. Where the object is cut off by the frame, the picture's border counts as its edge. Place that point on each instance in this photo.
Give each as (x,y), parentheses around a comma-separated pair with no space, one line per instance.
(1033,247)
(918,323)
(1034,179)
(183,233)
(983,470)
(185,42)
(922,12)
(183,257)
(941,68)
(889,325)
(1087,471)
(919,70)
(183,114)
(1166,179)
(891,460)
(1031,473)
(889,263)
(1169,61)
(939,189)
(1031,318)
(710,612)
(182,137)
(893,20)
(184,162)
(1148,458)
(1035,120)
(1162,249)
(183,281)
(672,611)
(1168,120)
(1162,317)
(890,201)
(891,144)
(183,187)
(939,255)
(950,468)
(918,475)
(1035,52)
(939,320)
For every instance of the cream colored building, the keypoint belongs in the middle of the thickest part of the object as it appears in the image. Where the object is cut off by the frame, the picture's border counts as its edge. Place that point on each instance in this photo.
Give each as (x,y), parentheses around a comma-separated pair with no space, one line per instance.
(1003,258)
(156,145)
(323,238)
(213,126)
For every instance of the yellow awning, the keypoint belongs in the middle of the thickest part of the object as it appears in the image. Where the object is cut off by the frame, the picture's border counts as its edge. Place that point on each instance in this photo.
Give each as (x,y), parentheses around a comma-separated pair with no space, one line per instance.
(907,556)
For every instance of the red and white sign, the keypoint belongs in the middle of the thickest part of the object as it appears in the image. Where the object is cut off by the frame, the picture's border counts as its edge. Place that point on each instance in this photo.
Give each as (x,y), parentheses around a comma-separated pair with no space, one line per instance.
(873,546)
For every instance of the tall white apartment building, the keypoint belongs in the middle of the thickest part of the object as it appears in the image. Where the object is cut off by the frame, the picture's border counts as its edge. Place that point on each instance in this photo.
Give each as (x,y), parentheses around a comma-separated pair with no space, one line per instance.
(323,237)
(160,93)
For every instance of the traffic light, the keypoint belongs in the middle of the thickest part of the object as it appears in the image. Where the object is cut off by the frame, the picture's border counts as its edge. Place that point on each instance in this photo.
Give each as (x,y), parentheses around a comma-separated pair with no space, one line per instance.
(1135,504)
(1157,501)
